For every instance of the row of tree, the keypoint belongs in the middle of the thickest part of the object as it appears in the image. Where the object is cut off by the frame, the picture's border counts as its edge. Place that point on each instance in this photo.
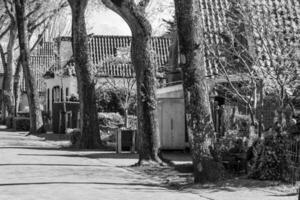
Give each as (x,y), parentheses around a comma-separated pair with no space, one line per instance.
(26,23)
(191,40)
(21,18)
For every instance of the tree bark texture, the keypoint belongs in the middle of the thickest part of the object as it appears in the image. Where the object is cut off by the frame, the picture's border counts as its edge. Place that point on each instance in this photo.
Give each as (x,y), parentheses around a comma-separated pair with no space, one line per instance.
(8,96)
(16,88)
(148,133)
(90,138)
(4,64)
(199,119)
(36,121)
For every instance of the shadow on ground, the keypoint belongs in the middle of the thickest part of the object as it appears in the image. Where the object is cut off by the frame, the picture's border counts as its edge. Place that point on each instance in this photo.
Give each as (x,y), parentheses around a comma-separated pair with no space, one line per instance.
(91,155)
(49,165)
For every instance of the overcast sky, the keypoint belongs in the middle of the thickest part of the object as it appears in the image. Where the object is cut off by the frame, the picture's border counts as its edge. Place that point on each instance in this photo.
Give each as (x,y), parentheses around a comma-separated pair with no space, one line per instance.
(102,21)
(106,22)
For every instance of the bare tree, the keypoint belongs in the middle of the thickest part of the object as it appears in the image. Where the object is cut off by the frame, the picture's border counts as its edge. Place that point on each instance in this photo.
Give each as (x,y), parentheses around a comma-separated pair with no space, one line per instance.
(261,54)
(90,138)
(124,86)
(8,62)
(124,90)
(135,16)
(41,15)
(36,121)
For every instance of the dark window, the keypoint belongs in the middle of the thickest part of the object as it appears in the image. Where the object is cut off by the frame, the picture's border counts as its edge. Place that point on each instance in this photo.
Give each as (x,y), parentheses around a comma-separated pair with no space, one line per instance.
(61,94)
(48,100)
(67,94)
(55,94)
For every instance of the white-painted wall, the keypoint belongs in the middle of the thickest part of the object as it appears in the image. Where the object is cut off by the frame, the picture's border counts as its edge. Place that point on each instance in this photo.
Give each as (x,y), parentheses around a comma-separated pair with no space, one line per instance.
(65,82)
(171,117)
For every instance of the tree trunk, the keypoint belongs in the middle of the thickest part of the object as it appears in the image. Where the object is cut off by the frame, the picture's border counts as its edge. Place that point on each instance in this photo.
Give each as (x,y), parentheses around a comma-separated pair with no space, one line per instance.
(126,117)
(36,121)
(4,64)
(149,140)
(200,125)
(148,133)
(90,138)
(8,72)
(17,79)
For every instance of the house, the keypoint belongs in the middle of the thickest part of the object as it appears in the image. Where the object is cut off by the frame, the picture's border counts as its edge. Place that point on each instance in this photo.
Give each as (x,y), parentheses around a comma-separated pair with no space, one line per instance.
(60,83)
(56,91)
(284,16)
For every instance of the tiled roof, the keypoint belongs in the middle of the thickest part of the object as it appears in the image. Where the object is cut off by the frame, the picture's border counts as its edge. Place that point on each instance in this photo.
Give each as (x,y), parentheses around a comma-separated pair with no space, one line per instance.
(213,15)
(42,58)
(44,49)
(284,16)
(103,47)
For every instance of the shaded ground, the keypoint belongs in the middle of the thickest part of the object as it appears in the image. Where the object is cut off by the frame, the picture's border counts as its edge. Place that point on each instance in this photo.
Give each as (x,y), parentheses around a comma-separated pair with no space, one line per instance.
(35,168)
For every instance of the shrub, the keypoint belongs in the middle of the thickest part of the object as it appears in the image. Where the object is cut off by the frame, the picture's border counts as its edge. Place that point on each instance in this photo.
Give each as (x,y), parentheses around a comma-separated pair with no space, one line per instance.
(110,120)
(271,161)
(75,135)
(74,98)
(242,124)
(110,100)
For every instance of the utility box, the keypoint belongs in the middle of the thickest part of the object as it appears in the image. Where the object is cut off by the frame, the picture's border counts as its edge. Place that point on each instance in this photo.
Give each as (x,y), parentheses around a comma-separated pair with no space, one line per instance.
(171,118)
(126,140)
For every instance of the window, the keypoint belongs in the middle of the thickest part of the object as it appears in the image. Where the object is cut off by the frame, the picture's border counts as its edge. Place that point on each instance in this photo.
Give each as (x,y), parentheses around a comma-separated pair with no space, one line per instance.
(56,94)
(67,94)
(48,99)
(69,119)
(61,94)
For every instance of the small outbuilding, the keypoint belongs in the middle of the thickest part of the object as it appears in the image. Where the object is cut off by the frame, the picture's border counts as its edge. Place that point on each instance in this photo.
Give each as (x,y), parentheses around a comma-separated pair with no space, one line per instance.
(171,117)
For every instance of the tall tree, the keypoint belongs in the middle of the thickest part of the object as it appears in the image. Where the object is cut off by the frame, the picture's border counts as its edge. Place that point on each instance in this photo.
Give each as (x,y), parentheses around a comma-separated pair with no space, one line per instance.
(135,16)
(200,126)
(36,122)
(41,14)
(90,138)
(8,61)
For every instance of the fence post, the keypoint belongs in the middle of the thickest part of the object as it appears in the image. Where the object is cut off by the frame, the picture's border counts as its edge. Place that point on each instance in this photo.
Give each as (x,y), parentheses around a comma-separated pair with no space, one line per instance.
(133,141)
(119,141)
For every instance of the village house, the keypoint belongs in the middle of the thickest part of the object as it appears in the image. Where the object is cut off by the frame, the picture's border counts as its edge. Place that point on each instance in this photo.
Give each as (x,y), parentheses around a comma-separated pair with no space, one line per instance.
(56,80)
(283,16)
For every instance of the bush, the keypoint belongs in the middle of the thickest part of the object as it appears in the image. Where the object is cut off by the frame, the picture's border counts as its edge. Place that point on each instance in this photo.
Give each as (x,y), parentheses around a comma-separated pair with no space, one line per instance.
(242,124)
(110,120)
(75,136)
(22,123)
(271,161)
(110,100)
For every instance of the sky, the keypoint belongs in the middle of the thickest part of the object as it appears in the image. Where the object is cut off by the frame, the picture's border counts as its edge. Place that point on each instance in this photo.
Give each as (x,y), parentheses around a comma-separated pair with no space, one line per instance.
(102,21)
(106,22)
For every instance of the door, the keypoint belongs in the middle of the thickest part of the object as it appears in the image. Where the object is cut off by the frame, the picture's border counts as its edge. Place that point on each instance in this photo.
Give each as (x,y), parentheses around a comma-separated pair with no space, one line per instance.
(172,123)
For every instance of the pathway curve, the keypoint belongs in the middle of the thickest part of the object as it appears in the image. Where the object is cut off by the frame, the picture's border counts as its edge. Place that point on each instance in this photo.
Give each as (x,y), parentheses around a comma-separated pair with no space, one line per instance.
(31,168)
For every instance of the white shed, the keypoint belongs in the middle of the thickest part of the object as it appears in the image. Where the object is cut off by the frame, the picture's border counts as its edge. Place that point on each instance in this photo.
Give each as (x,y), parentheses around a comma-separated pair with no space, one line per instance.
(171,117)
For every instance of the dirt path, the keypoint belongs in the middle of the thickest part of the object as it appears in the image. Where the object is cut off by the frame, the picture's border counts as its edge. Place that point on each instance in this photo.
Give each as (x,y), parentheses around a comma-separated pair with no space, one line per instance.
(34,169)
(31,168)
